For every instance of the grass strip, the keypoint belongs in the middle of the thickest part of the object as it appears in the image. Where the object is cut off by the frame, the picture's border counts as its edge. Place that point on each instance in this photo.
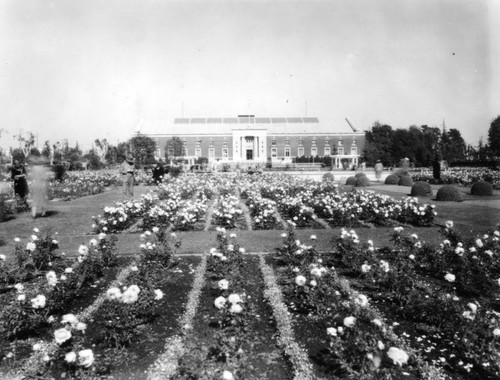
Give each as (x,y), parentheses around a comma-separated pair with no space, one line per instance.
(166,364)
(296,354)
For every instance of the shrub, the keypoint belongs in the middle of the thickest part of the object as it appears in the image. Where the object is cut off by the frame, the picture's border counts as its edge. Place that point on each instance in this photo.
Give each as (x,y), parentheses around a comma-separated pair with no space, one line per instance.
(449,193)
(392,179)
(351,181)
(362,181)
(421,188)
(328,177)
(405,180)
(360,174)
(59,170)
(482,188)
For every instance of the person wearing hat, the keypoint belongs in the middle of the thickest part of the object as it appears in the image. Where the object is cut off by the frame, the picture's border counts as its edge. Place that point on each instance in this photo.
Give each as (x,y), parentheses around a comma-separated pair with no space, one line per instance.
(378,170)
(127,171)
(18,174)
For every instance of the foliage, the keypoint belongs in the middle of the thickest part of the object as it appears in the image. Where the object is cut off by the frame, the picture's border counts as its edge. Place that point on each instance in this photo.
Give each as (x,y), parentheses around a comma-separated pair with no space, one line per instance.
(362,181)
(351,181)
(143,148)
(174,146)
(405,180)
(392,179)
(481,188)
(449,193)
(421,188)
(494,136)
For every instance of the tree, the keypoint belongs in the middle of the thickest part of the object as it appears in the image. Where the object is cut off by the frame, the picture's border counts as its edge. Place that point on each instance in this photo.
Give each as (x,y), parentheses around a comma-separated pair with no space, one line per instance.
(174,145)
(453,146)
(494,136)
(101,150)
(378,144)
(26,143)
(143,148)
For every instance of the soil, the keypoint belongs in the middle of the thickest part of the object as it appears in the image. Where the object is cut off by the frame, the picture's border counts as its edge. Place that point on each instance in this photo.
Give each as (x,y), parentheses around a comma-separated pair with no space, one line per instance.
(263,358)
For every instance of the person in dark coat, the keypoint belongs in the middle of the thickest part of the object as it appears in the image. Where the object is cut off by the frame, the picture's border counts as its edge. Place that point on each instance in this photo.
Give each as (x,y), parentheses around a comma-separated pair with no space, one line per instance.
(18,174)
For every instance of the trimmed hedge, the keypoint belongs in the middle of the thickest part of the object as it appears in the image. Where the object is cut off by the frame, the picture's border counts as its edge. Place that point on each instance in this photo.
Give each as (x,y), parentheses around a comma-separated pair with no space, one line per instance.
(360,174)
(363,181)
(421,188)
(392,179)
(449,193)
(351,181)
(328,177)
(482,188)
(405,180)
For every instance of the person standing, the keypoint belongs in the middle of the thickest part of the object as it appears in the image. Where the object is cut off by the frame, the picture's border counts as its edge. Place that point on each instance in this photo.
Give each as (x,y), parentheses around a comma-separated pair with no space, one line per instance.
(127,170)
(158,173)
(40,190)
(18,174)
(378,170)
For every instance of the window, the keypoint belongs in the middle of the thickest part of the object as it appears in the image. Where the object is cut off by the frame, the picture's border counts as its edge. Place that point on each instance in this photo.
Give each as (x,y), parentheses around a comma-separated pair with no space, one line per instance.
(197,152)
(287,142)
(211,152)
(354,150)
(274,152)
(300,152)
(287,152)
(224,153)
(273,143)
(211,143)
(224,144)
(314,142)
(341,151)
(301,142)
(327,151)
(185,151)
(314,151)
(170,152)
(340,142)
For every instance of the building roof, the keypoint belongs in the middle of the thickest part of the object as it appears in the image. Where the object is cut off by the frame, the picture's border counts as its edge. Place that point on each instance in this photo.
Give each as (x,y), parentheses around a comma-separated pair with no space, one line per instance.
(225,125)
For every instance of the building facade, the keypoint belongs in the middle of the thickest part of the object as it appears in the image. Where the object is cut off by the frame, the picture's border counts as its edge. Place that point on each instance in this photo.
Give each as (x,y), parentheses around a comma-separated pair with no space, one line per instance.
(248,139)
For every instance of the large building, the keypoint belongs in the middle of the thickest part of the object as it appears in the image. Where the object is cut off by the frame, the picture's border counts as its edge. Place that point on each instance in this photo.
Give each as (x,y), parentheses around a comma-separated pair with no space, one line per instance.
(248,139)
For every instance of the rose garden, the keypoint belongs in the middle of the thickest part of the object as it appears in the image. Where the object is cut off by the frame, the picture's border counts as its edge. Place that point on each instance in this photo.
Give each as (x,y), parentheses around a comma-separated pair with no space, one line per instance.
(237,276)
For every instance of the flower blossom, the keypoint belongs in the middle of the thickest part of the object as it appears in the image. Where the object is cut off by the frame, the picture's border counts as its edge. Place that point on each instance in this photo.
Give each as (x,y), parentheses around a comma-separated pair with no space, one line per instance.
(70,357)
(113,294)
(234,298)
(85,358)
(449,277)
(38,302)
(158,294)
(398,356)
(300,280)
(223,284)
(220,302)
(62,335)
(349,321)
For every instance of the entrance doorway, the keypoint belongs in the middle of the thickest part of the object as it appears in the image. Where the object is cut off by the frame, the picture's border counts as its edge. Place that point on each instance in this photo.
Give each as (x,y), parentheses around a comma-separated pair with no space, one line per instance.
(249,154)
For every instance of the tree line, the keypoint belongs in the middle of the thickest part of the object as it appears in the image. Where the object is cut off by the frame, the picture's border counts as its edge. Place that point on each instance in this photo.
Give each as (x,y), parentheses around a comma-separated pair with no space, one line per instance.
(423,145)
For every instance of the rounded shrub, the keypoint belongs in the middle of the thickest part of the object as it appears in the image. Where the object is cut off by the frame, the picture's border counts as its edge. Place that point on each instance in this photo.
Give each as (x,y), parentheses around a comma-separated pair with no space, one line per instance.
(328,177)
(351,181)
(449,193)
(482,188)
(405,180)
(421,189)
(392,179)
(363,181)
(360,174)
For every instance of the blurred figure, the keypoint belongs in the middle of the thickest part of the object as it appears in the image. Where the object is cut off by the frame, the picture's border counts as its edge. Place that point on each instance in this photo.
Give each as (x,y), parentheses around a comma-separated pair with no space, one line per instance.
(378,170)
(18,174)
(127,170)
(39,190)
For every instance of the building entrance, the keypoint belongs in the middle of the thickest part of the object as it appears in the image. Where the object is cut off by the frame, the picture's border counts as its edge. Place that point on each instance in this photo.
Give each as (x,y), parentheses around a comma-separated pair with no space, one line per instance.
(249,154)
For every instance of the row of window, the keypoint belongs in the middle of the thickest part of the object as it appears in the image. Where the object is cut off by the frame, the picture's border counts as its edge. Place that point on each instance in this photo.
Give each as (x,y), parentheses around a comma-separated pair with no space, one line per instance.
(274,152)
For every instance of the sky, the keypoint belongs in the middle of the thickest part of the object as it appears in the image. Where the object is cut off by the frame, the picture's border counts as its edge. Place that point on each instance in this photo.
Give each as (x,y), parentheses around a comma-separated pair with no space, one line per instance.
(92,69)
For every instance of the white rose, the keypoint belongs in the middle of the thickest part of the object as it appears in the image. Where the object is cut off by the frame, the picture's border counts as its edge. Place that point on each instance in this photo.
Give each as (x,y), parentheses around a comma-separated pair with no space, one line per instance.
(130,295)
(220,302)
(496,332)
(85,358)
(2,257)
(31,246)
(80,326)
(226,375)
(313,283)
(38,302)
(300,280)
(398,356)
(236,308)
(223,284)
(234,298)
(449,277)
(21,297)
(93,242)
(70,357)
(62,335)
(158,294)
(113,294)
(68,270)
(83,250)
(349,321)
(331,331)
(69,318)
(361,300)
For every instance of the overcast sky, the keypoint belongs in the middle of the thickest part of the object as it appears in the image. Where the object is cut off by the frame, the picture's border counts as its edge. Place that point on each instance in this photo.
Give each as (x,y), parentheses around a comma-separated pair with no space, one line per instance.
(87,69)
